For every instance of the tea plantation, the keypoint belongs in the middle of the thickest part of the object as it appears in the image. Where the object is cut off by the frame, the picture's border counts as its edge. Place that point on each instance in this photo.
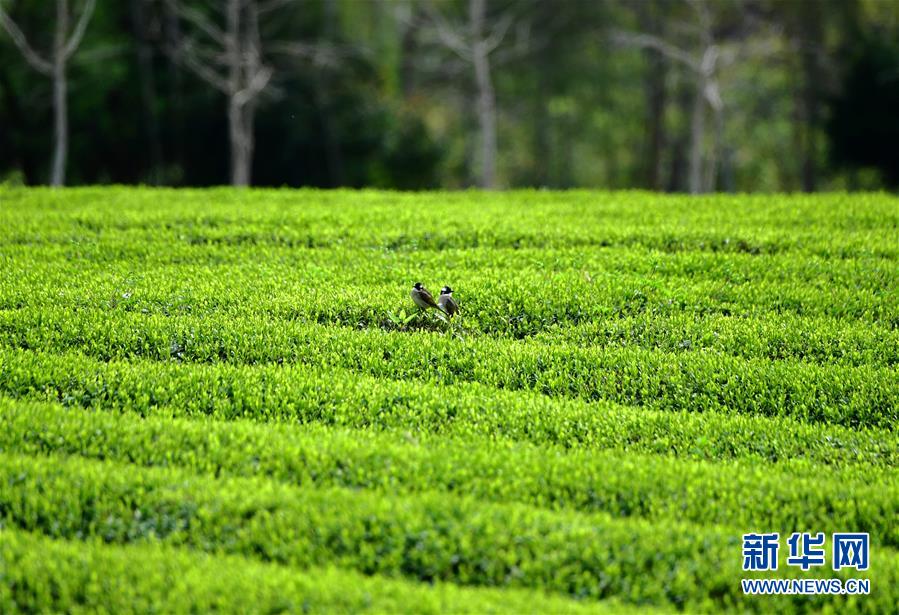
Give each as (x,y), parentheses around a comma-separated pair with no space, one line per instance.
(226,400)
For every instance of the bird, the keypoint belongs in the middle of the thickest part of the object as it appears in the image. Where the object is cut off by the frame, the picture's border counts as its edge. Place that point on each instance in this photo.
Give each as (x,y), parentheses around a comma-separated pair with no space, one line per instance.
(447,303)
(423,298)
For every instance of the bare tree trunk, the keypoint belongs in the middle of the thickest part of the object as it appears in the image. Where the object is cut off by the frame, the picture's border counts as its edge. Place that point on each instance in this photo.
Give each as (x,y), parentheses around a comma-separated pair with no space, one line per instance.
(240,175)
(475,47)
(60,86)
(240,120)
(486,101)
(64,46)
(702,175)
(241,139)
(487,121)
(60,125)
(242,77)
(712,95)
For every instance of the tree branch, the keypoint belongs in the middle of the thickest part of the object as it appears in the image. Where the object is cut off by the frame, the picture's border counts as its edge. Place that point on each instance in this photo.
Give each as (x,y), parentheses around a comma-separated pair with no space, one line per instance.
(499,32)
(321,54)
(447,33)
(210,56)
(18,38)
(709,60)
(199,20)
(648,41)
(187,55)
(291,48)
(713,95)
(257,84)
(80,27)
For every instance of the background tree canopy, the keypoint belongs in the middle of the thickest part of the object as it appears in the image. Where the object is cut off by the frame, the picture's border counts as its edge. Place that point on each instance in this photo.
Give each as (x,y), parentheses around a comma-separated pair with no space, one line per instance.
(681,95)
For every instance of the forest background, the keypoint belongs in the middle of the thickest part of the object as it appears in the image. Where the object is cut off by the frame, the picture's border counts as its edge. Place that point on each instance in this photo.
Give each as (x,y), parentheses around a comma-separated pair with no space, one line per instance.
(676,95)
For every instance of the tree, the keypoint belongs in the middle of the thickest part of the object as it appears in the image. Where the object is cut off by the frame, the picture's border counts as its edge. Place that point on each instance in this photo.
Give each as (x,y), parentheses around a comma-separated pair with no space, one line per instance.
(703,63)
(65,44)
(230,60)
(715,40)
(474,42)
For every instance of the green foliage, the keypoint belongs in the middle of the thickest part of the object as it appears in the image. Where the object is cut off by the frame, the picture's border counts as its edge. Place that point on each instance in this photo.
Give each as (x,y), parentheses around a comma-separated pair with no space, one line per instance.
(851,396)
(297,394)
(46,575)
(433,537)
(213,386)
(790,498)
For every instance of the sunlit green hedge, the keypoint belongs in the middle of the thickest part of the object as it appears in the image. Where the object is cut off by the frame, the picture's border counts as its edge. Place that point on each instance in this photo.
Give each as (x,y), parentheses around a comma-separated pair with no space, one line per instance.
(431,537)
(225,400)
(737,494)
(43,575)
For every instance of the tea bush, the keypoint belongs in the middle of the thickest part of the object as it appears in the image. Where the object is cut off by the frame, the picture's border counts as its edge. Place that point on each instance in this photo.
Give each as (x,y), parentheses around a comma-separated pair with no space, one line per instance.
(225,400)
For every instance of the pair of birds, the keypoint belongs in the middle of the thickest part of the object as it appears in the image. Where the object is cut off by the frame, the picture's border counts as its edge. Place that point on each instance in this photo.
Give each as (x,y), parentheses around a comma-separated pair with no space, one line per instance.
(445,302)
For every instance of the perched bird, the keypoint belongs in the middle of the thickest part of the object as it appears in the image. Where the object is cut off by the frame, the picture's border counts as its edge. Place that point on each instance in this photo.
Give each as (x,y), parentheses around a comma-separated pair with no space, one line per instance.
(423,298)
(447,303)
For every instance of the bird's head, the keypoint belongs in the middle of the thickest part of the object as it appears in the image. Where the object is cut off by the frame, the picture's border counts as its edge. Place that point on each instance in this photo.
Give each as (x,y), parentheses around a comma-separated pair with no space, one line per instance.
(446,290)
(417,286)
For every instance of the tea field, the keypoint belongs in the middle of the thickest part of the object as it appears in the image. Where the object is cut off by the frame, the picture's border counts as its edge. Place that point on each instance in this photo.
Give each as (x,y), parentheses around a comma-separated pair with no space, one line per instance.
(226,400)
